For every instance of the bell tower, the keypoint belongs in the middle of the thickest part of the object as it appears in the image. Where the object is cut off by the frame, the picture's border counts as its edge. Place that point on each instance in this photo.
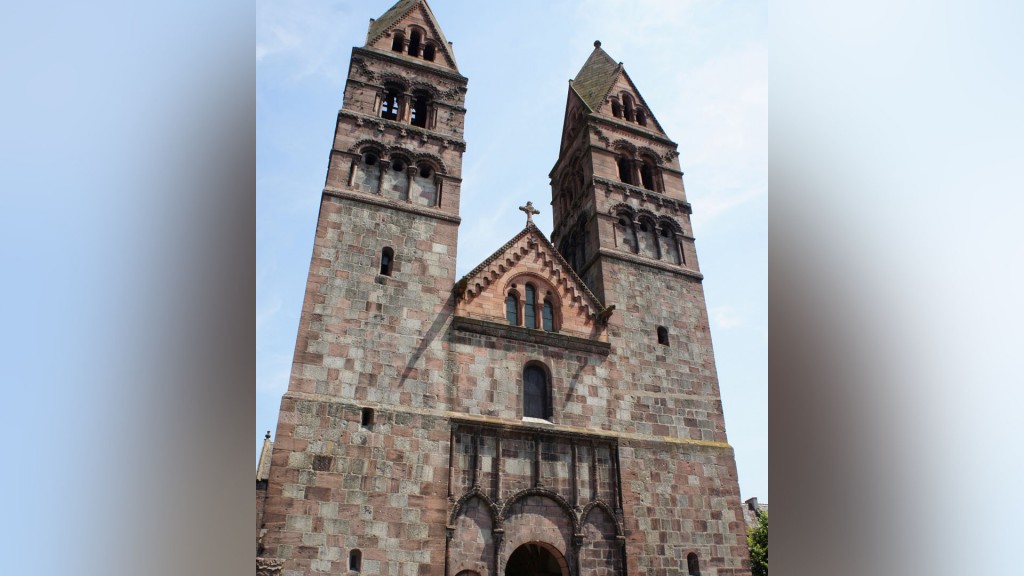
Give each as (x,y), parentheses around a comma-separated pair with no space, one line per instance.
(622,221)
(370,355)
(617,187)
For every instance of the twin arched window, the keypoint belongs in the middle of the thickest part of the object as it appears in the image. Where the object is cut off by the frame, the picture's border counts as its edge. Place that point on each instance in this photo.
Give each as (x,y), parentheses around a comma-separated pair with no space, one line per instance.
(416,108)
(533,311)
(642,171)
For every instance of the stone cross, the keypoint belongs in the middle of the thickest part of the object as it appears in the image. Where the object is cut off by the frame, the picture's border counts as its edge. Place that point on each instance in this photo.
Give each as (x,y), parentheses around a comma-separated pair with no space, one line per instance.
(530,211)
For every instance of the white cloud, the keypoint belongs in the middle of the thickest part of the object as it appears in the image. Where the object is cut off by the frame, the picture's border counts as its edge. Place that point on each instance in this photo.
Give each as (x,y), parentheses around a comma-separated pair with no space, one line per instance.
(725,317)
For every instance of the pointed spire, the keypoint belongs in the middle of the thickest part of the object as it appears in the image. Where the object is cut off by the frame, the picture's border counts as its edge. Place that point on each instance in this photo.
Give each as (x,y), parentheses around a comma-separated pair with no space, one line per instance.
(596,77)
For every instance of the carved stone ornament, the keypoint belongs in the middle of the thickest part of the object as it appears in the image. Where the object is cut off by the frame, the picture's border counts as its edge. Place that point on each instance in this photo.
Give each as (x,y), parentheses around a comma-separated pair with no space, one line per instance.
(268,566)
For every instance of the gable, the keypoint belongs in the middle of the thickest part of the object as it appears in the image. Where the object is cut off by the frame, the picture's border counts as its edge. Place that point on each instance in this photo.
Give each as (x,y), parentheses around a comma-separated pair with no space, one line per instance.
(530,259)
(405,18)
(574,111)
(617,94)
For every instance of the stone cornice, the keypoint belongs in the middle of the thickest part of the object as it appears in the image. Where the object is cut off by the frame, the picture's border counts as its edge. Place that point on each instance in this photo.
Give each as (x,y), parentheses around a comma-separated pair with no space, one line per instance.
(657,198)
(530,336)
(553,428)
(403,129)
(393,204)
(386,56)
(633,258)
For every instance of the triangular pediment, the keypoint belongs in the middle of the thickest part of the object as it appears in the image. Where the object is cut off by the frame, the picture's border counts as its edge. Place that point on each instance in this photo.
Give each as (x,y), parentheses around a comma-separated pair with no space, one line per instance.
(602,79)
(407,14)
(529,258)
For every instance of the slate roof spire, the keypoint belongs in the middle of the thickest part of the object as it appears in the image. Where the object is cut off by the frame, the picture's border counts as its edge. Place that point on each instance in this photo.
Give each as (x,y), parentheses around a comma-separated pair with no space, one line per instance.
(596,77)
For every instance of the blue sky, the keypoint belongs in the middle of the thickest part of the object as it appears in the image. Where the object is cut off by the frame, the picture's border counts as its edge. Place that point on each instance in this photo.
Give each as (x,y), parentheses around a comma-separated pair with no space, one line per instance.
(700,65)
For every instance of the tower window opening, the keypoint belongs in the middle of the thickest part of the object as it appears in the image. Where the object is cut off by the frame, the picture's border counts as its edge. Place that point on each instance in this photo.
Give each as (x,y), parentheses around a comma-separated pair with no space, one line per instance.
(398,165)
(389,106)
(616,109)
(425,171)
(355,561)
(641,117)
(419,110)
(663,335)
(647,176)
(370,159)
(387,260)
(529,307)
(627,105)
(536,393)
(366,418)
(414,43)
(398,43)
(625,170)
(428,52)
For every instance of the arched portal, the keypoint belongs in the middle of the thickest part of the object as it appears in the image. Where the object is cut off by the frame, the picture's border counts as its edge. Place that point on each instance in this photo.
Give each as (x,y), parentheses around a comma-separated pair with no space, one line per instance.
(536,559)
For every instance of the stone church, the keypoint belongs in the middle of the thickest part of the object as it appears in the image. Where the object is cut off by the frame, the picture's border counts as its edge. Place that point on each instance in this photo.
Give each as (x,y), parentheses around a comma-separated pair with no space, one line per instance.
(555,411)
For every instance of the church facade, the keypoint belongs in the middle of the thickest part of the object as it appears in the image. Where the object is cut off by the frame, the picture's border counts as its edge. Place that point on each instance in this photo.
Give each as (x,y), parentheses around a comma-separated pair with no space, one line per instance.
(555,411)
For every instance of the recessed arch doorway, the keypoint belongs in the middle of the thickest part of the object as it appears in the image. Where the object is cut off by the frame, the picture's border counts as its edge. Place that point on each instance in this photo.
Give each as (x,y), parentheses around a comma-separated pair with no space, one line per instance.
(536,559)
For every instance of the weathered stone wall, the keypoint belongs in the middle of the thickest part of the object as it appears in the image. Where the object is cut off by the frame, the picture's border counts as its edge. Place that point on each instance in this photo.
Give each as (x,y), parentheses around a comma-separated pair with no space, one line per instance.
(337,486)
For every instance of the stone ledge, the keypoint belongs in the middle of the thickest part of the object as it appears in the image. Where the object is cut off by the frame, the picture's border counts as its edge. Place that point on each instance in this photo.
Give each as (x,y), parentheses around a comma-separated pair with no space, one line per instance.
(521,334)
(393,204)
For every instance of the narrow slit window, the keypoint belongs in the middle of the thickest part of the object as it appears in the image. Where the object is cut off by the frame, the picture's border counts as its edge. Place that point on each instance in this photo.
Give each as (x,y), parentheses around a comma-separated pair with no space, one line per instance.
(692,564)
(366,418)
(625,170)
(355,561)
(641,117)
(387,260)
(398,44)
(663,335)
(530,310)
(428,52)
(647,176)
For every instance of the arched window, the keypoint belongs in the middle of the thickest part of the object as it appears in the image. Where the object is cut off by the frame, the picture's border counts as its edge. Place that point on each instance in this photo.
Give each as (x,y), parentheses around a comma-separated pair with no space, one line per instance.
(420,109)
(692,564)
(647,175)
(616,109)
(548,315)
(390,104)
(355,561)
(627,104)
(536,393)
(530,307)
(648,239)
(627,232)
(641,117)
(424,186)
(387,260)
(663,335)
(369,172)
(414,43)
(625,169)
(670,245)
(398,43)
(428,52)
(512,309)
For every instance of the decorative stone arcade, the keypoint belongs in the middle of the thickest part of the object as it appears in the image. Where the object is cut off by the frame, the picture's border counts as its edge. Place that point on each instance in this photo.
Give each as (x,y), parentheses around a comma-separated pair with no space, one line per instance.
(532,501)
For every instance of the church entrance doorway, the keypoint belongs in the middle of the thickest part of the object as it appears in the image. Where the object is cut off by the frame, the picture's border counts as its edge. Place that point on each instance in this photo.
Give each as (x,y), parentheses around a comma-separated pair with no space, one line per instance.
(536,559)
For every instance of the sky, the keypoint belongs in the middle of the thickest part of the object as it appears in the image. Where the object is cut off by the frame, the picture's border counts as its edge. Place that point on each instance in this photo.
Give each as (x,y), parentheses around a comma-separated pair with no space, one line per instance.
(700,65)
